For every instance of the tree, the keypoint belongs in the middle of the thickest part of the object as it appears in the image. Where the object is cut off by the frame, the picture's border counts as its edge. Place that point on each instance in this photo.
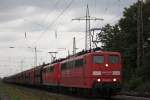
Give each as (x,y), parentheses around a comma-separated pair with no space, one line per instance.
(122,37)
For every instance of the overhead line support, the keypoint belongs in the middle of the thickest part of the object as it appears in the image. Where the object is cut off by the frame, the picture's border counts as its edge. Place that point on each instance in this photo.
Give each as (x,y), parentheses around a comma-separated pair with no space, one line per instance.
(87,18)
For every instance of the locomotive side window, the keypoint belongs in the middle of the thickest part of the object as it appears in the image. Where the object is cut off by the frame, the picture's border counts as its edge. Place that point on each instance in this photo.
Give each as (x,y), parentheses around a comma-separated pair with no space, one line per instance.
(98,59)
(64,66)
(50,69)
(72,64)
(113,59)
(79,63)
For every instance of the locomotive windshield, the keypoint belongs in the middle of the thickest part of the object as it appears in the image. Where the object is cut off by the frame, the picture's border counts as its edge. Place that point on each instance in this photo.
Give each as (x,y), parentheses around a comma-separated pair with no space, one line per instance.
(113,59)
(98,59)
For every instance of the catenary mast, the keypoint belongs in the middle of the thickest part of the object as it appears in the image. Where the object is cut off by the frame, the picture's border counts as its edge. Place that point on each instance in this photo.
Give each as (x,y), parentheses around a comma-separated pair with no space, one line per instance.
(87,18)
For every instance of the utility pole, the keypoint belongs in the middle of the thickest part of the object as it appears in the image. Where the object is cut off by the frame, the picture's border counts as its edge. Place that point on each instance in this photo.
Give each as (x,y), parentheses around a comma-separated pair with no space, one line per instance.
(68,53)
(140,40)
(35,55)
(74,46)
(87,18)
(35,59)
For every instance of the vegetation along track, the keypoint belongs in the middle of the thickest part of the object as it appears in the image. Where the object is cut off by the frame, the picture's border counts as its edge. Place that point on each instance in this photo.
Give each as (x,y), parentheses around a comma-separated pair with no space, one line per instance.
(14,92)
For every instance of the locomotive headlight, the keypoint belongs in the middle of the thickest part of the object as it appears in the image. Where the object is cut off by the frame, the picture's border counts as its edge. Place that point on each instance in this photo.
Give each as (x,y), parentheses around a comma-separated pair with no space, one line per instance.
(114,79)
(98,80)
(106,65)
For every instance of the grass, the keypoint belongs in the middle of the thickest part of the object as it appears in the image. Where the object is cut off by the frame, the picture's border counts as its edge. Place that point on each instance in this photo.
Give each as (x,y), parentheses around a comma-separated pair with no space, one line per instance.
(14,92)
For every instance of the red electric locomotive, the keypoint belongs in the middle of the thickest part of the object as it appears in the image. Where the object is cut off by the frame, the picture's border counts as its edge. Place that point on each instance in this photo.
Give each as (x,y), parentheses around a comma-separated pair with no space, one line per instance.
(96,72)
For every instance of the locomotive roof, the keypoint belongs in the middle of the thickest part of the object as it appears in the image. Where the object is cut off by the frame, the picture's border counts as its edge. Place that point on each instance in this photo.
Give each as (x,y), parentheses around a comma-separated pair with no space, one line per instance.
(52,64)
(78,55)
(90,53)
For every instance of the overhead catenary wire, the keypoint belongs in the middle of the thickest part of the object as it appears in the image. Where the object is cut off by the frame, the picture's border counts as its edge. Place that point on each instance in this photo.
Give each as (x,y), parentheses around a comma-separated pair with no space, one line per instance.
(69,43)
(51,12)
(53,22)
(56,3)
(115,18)
(44,19)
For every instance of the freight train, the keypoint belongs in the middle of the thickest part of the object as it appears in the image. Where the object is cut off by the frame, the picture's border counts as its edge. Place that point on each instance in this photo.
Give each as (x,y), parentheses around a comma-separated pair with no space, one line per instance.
(94,73)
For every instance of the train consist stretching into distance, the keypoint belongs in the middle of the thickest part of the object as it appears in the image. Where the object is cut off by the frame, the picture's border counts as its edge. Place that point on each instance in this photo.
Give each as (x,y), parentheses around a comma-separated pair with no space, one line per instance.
(92,72)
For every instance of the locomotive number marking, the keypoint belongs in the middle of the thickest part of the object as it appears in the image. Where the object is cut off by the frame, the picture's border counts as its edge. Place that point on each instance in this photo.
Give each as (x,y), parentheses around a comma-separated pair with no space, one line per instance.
(97,73)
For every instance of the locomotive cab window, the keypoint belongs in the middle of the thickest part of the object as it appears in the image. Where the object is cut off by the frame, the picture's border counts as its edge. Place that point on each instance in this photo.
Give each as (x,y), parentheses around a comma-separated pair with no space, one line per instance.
(98,59)
(113,59)
(50,69)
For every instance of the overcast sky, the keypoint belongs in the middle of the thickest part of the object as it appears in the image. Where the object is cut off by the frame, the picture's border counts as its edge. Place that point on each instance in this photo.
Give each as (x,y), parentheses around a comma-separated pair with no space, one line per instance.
(41,20)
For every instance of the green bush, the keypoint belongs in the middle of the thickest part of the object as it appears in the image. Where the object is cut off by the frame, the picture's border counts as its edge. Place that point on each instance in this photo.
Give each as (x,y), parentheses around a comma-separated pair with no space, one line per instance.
(143,88)
(134,83)
(15,98)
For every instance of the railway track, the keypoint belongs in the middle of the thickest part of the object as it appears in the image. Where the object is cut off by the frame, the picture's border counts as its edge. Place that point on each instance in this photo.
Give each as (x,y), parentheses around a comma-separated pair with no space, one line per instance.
(15,92)
(125,97)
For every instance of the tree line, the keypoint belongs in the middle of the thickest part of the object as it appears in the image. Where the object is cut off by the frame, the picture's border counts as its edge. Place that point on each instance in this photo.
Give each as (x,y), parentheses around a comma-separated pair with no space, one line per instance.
(122,37)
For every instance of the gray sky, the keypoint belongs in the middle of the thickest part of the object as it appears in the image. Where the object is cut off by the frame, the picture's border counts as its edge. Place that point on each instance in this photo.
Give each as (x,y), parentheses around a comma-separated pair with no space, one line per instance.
(41,19)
